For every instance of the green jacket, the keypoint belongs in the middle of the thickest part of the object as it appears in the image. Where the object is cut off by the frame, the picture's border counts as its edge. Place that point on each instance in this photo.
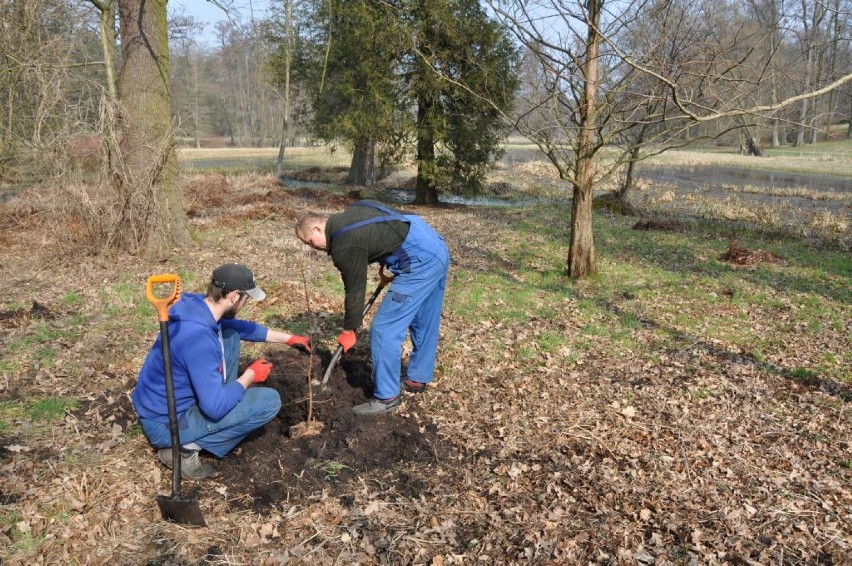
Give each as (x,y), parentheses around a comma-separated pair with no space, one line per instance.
(354,250)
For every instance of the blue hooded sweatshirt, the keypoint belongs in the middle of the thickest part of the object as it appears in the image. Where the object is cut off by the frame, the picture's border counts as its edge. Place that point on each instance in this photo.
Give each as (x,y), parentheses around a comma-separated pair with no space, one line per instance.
(197,363)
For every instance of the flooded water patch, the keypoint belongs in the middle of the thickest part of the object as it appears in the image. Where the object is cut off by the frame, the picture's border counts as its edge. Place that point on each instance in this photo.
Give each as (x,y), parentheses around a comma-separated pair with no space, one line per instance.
(738,176)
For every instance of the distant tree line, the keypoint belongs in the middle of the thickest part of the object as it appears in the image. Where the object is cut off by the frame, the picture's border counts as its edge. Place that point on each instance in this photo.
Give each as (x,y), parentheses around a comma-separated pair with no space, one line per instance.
(436,81)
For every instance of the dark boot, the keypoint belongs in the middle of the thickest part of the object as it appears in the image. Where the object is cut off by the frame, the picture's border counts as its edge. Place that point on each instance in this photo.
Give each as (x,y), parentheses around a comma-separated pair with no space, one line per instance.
(377,406)
(191,466)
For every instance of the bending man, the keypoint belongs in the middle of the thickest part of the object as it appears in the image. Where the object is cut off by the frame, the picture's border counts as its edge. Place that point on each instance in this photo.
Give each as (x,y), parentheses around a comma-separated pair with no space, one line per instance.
(368,232)
(216,407)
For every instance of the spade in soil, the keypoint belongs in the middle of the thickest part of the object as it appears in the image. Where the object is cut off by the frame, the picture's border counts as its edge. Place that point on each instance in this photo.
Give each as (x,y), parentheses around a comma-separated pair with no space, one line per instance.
(175,507)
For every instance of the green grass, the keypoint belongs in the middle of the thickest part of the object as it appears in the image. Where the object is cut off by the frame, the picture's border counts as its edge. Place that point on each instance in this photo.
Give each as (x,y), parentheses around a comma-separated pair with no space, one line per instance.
(70,299)
(49,409)
(655,291)
(46,409)
(22,541)
(551,341)
(41,343)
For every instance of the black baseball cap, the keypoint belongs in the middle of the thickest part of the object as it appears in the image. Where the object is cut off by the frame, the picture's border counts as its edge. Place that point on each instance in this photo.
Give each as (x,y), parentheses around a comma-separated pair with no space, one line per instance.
(237,277)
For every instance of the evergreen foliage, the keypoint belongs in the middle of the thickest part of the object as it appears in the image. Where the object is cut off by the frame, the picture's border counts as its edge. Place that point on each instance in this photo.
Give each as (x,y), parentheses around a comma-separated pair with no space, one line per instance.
(438,72)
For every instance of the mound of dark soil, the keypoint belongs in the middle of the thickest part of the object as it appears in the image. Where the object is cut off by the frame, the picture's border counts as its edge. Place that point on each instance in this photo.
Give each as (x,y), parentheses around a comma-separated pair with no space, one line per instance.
(270,467)
(663,225)
(739,255)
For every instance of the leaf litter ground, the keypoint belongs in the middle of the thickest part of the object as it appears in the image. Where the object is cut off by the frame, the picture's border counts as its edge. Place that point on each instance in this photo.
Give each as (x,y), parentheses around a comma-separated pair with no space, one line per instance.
(679,449)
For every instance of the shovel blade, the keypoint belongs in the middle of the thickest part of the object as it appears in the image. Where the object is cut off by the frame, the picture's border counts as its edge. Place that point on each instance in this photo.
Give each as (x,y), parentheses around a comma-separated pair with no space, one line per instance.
(183,510)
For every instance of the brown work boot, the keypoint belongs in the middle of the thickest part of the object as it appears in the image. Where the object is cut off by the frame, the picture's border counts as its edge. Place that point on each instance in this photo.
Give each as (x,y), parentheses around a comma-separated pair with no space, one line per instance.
(191,466)
(414,386)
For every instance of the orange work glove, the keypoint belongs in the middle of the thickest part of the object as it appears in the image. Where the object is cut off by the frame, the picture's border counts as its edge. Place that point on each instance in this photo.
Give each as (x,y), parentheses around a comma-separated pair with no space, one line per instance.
(300,342)
(261,368)
(347,339)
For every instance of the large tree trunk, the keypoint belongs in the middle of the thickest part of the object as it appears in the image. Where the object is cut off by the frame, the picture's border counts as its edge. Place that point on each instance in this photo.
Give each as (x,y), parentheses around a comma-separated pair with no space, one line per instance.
(425,193)
(150,175)
(581,247)
(362,170)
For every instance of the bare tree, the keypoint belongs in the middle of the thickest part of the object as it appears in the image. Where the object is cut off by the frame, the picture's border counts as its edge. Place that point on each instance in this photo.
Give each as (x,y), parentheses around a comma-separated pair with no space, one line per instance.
(582,49)
(48,85)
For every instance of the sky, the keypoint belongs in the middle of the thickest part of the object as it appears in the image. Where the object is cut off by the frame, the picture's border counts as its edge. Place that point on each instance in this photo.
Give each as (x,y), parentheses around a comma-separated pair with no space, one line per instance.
(210,13)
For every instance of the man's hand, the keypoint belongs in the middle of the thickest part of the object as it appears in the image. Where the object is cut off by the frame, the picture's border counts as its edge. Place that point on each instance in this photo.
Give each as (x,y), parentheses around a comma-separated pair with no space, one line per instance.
(261,368)
(347,339)
(300,342)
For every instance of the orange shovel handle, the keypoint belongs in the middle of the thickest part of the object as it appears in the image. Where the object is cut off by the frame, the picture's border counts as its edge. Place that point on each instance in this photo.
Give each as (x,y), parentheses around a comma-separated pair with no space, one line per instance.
(162,304)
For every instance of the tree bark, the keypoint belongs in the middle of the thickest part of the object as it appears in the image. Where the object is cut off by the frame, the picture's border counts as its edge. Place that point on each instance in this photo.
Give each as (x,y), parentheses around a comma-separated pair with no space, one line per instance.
(624,190)
(425,193)
(849,122)
(581,246)
(107,24)
(288,57)
(150,176)
(362,170)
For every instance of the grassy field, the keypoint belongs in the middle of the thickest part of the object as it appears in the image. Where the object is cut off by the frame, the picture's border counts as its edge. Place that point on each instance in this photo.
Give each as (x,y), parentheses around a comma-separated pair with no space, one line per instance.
(834,158)
(237,160)
(828,158)
(677,408)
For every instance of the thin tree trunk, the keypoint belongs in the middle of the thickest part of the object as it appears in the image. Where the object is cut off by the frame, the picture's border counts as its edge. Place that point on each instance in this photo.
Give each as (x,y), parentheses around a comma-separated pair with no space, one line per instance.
(285,119)
(624,190)
(836,31)
(362,170)
(581,245)
(107,24)
(815,122)
(425,193)
(800,129)
(849,120)
(195,113)
(776,142)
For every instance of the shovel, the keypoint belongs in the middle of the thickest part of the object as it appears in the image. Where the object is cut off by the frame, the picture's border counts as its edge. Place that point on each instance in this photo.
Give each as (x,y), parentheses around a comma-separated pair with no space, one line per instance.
(383,282)
(175,508)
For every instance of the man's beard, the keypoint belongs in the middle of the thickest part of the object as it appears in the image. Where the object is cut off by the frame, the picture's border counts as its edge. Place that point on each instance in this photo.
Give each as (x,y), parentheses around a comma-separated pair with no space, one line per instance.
(231,312)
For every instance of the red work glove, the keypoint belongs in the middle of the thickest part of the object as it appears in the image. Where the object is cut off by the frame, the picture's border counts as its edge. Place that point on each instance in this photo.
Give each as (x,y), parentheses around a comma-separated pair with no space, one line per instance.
(300,342)
(347,339)
(261,368)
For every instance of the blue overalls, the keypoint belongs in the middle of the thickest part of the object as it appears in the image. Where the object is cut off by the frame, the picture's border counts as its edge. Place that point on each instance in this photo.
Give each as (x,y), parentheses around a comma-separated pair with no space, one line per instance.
(413,303)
